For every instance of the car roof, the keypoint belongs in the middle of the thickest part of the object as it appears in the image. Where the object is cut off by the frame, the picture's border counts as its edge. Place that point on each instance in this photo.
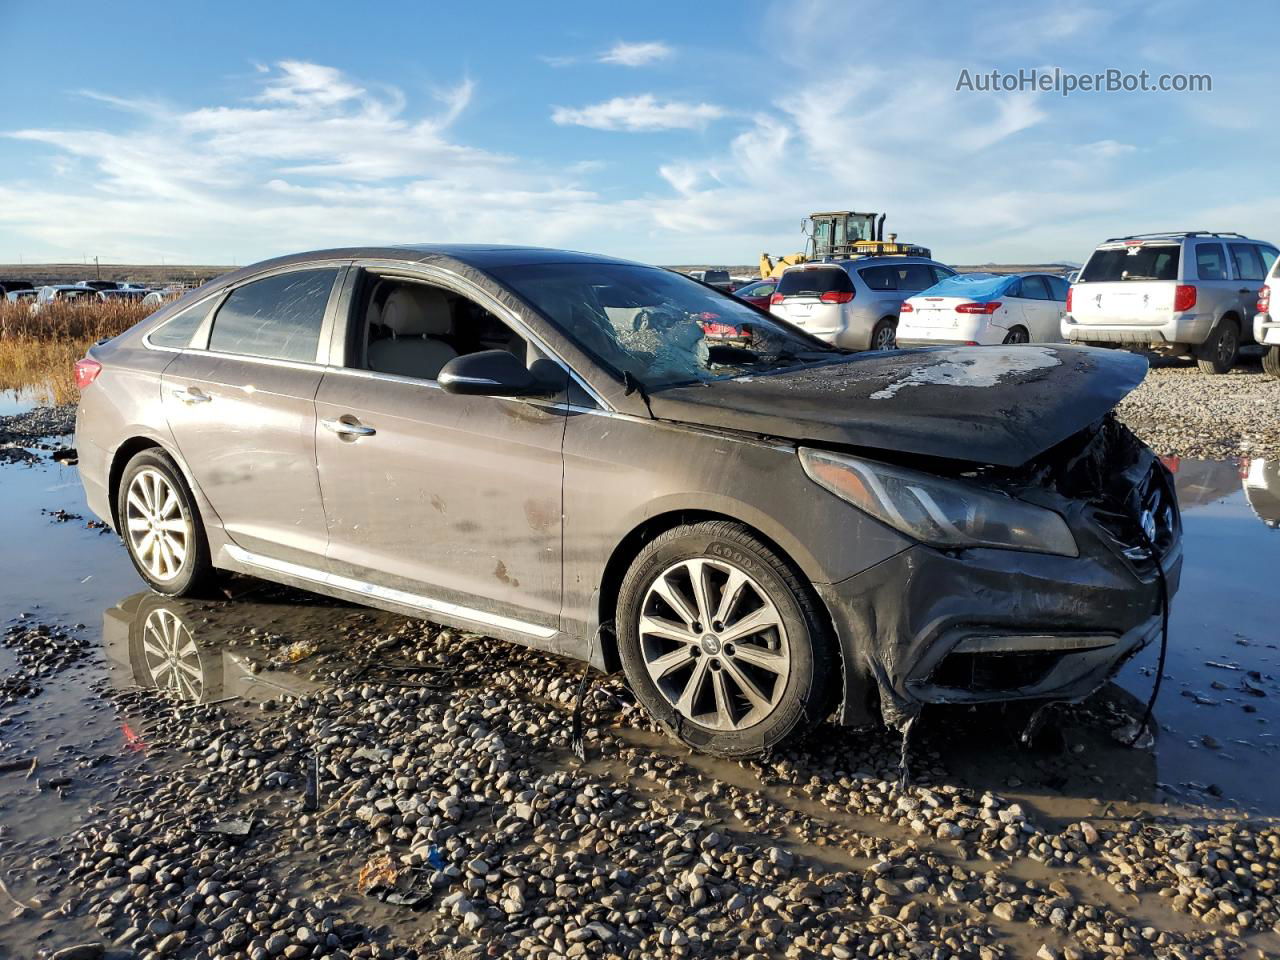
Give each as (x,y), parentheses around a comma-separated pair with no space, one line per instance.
(859,262)
(478,256)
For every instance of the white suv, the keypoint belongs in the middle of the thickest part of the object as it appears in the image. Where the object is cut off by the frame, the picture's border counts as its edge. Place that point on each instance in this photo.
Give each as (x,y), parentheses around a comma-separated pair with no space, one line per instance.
(1175,293)
(1266,324)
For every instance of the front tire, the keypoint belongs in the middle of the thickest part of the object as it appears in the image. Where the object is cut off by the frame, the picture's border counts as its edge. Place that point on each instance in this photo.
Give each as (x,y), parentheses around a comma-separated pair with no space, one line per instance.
(161,526)
(723,641)
(1218,354)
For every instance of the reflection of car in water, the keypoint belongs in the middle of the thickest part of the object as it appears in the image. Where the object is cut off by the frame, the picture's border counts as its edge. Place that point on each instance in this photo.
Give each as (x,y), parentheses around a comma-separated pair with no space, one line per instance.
(169,645)
(151,636)
(1200,482)
(1262,490)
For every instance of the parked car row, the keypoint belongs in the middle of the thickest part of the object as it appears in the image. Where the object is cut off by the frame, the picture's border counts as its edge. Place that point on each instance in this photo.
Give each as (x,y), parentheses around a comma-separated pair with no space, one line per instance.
(88,290)
(1190,294)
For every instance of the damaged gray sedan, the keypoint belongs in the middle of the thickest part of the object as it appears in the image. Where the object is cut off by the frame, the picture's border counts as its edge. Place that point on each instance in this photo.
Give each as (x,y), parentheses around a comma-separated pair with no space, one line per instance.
(614,462)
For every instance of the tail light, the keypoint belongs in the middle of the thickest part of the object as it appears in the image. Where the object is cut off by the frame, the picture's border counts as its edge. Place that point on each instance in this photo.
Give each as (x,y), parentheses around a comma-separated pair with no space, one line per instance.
(1264,300)
(1184,297)
(987,308)
(906,307)
(776,298)
(836,296)
(87,371)
(1070,290)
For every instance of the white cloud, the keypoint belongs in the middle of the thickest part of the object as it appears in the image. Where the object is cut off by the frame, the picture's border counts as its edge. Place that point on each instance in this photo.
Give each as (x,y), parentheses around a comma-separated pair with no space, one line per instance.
(643,113)
(636,54)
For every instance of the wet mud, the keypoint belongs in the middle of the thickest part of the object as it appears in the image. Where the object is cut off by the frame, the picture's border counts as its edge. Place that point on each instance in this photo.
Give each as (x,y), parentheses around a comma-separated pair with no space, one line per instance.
(221,778)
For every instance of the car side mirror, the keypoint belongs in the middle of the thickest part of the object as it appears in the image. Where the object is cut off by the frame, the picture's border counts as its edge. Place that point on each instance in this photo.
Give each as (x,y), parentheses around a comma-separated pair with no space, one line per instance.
(497,373)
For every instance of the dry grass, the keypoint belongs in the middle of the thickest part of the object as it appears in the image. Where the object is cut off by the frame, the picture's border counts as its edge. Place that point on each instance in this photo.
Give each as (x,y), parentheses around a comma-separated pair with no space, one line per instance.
(38,352)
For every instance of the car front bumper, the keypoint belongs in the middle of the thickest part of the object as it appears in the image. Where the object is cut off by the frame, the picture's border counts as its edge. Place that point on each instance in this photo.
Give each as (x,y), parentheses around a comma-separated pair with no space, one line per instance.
(986,625)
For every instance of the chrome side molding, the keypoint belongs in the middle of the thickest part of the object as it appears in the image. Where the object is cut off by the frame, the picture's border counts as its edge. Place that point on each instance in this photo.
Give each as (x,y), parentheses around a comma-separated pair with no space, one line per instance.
(362,588)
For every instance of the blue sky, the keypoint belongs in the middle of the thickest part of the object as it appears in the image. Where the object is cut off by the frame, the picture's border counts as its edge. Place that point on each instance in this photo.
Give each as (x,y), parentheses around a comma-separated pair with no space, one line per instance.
(673,133)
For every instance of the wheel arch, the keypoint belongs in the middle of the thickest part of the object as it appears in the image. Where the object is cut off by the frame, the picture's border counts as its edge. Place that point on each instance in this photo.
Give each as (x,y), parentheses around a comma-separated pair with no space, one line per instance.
(127,451)
(629,547)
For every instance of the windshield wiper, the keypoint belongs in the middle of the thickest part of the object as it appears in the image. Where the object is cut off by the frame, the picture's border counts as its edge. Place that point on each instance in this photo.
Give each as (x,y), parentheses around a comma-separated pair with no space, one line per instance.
(631,385)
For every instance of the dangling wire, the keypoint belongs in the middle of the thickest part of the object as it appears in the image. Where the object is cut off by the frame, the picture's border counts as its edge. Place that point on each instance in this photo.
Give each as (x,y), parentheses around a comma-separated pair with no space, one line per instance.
(577,731)
(1164,636)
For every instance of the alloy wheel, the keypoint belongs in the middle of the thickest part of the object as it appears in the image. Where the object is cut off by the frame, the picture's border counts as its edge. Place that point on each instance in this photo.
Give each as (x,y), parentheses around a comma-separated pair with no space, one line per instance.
(172,657)
(886,338)
(714,644)
(159,528)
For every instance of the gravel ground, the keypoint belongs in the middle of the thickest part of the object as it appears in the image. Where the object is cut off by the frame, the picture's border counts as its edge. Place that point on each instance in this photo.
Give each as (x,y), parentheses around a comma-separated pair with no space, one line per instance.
(367,818)
(1182,412)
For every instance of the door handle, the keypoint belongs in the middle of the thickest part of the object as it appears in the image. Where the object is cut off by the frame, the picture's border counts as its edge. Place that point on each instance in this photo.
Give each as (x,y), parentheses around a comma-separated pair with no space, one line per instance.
(345,428)
(1245,290)
(190,395)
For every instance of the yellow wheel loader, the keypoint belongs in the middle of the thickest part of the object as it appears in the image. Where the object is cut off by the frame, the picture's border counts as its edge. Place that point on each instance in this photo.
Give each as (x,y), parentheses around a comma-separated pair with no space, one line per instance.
(842,234)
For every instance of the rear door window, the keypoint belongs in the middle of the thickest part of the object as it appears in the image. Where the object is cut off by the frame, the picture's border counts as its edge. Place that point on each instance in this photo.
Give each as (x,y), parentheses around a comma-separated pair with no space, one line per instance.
(1247,262)
(1143,262)
(814,282)
(880,278)
(1033,288)
(1057,288)
(278,317)
(1211,262)
(914,277)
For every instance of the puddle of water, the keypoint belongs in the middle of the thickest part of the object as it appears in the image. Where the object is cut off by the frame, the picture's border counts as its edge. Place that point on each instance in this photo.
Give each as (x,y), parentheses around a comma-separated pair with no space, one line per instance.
(23,399)
(64,573)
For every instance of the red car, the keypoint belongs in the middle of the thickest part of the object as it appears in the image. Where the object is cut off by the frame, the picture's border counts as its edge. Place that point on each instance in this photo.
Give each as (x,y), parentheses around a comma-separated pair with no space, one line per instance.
(758,292)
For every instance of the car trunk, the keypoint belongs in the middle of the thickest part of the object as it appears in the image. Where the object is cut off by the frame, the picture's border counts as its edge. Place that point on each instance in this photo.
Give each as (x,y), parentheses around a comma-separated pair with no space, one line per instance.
(935,318)
(1128,301)
(811,298)
(1131,284)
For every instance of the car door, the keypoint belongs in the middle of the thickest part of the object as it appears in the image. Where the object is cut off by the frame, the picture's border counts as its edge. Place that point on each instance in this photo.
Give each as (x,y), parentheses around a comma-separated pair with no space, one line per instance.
(1249,273)
(241,408)
(1039,310)
(1058,287)
(449,503)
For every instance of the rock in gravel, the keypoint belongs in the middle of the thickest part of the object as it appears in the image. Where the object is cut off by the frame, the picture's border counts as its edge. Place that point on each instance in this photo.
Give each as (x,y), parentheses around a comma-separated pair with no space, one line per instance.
(83,951)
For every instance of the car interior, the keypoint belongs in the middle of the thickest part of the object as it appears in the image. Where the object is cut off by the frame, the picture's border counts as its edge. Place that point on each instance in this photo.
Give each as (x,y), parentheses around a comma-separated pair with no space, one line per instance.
(413,329)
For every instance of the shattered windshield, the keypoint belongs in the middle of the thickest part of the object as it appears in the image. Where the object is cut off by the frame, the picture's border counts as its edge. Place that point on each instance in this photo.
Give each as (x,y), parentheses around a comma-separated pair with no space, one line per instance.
(660,327)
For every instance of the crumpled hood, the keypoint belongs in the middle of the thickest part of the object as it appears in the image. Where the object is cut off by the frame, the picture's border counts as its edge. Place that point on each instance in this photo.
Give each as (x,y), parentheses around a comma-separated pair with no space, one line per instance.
(990,405)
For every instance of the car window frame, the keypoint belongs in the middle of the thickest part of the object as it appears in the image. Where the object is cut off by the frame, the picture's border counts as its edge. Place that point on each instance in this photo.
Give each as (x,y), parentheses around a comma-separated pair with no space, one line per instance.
(1235,270)
(1223,258)
(326,320)
(439,276)
(1022,281)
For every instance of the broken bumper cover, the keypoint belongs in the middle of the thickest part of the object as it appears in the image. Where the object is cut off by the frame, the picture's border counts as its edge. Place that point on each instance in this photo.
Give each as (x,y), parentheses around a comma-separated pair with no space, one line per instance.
(986,625)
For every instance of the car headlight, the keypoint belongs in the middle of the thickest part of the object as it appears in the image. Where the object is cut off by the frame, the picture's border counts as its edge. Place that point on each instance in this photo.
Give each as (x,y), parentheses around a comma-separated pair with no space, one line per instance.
(946,513)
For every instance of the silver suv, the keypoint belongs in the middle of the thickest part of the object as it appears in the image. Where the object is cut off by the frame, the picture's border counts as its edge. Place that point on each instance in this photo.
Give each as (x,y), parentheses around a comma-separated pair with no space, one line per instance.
(853,304)
(1189,293)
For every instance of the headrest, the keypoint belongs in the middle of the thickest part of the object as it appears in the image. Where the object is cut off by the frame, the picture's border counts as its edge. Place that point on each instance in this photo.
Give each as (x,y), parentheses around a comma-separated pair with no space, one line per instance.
(414,310)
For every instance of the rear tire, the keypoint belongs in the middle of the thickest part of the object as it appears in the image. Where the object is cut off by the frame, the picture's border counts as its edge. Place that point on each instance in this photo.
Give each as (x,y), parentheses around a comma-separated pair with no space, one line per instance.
(763,669)
(1017,335)
(885,335)
(1218,354)
(1271,362)
(161,527)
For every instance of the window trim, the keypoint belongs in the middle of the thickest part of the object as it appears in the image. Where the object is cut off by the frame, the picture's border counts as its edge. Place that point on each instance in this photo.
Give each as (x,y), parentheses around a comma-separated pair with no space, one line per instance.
(437,276)
(1224,258)
(340,269)
(199,335)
